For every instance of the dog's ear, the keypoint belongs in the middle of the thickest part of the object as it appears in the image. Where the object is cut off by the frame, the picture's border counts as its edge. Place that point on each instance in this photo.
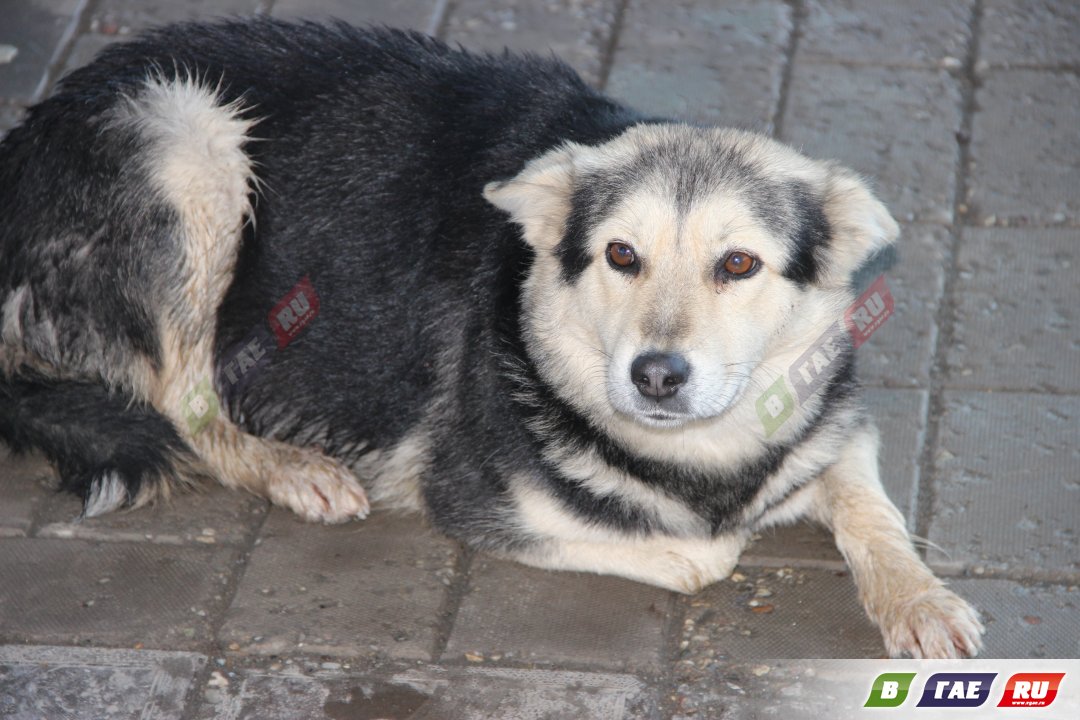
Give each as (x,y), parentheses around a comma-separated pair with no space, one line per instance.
(538,198)
(860,225)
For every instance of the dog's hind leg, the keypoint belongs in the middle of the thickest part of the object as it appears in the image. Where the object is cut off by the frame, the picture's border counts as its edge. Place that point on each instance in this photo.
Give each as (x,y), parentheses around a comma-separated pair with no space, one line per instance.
(193,154)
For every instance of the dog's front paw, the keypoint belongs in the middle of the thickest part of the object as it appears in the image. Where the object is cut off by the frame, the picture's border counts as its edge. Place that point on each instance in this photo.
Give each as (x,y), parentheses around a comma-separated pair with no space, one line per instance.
(319,489)
(690,573)
(937,623)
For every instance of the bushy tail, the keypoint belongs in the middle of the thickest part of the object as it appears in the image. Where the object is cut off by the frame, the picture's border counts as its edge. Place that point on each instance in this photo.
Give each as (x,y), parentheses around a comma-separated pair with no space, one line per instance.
(109,449)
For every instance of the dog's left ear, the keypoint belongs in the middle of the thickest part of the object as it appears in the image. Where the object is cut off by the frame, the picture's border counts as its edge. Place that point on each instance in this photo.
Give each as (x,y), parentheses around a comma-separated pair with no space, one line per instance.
(859,223)
(538,198)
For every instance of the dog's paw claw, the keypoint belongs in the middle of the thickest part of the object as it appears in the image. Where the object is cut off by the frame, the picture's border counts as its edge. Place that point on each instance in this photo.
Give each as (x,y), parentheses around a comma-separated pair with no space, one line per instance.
(320,489)
(935,624)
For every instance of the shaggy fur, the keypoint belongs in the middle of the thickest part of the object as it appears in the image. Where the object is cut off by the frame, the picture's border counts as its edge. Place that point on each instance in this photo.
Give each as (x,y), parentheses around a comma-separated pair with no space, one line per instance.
(470,348)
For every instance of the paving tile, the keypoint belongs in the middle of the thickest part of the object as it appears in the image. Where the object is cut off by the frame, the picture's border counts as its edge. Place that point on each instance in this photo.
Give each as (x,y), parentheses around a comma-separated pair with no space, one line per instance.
(1007,492)
(430,693)
(901,352)
(1025,620)
(1025,161)
(706,62)
(416,14)
(86,47)
(1017,324)
(915,33)
(92,684)
(209,515)
(25,484)
(371,587)
(122,17)
(578,31)
(896,126)
(11,114)
(110,594)
(36,31)
(776,613)
(1022,33)
(523,614)
(901,420)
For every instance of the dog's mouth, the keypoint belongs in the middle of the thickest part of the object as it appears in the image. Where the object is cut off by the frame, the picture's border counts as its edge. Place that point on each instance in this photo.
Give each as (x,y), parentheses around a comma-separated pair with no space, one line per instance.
(661,419)
(675,412)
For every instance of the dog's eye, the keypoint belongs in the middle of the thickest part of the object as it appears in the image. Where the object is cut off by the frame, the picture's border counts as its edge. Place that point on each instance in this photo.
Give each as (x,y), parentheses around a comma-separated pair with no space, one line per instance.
(621,256)
(739,264)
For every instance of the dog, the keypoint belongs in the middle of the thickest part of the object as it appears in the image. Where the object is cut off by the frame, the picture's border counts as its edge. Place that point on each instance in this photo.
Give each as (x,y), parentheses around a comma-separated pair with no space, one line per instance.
(325,264)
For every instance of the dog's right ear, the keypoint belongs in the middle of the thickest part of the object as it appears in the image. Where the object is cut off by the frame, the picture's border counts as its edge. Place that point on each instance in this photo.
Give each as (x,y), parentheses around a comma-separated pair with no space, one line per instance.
(538,198)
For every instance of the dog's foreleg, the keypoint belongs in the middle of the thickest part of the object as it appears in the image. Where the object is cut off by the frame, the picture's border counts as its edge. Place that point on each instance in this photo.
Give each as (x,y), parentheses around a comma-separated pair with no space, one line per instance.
(565,541)
(916,613)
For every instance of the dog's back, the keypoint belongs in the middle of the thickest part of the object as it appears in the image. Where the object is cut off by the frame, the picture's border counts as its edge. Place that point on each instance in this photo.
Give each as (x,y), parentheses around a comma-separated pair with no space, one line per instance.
(156,208)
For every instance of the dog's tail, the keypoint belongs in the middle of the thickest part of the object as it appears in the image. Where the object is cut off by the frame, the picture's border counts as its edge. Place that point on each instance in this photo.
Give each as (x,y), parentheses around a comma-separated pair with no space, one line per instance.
(109,449)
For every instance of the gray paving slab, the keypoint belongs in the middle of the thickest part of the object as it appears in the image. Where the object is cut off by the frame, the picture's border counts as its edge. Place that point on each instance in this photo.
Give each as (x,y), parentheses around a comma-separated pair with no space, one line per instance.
(1025,161)
(801,545)
(1025,620)
(578,31)
(901,420)
(87,46)
(123,17)
(1007,490)
(110,594)
(93,684)
(26,483)
(416,14)
(209,515)
(895,125)
(11,114)
(901,352)
(373,587)
(707,62)
(1020,33)
(1016,319)
(30,38)
(915,33)
(765,613)
(430,693)
(522,614)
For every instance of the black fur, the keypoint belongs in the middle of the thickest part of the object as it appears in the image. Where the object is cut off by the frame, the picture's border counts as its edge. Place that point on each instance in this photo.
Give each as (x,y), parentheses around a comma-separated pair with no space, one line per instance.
(87,432)
(373,149)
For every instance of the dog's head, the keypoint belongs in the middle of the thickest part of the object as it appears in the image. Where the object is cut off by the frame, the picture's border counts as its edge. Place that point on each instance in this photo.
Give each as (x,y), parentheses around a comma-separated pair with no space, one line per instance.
(673,263)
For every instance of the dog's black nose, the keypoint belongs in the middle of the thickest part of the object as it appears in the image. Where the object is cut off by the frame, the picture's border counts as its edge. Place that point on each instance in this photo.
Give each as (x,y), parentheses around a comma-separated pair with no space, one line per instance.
(659,375)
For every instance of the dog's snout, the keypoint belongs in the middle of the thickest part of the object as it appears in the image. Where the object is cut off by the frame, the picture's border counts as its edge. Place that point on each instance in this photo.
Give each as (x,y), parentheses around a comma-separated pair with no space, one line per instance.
(659,375)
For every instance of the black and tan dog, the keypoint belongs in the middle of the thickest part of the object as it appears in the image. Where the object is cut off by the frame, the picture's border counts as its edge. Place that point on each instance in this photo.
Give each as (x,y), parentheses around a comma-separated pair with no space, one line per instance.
(322,263)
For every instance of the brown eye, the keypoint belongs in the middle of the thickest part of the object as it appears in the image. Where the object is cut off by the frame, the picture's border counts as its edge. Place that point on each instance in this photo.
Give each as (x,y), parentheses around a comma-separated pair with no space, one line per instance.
(621,256)
(739,264)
